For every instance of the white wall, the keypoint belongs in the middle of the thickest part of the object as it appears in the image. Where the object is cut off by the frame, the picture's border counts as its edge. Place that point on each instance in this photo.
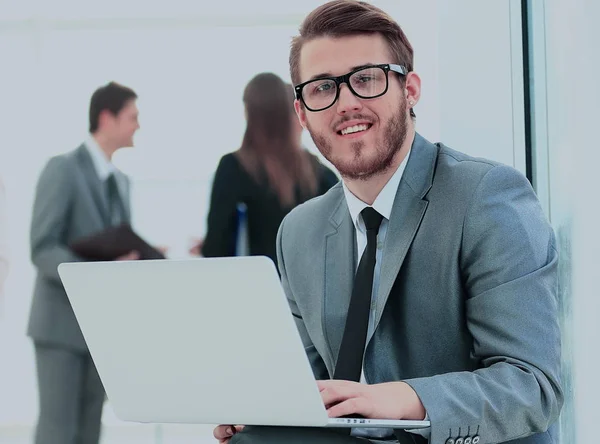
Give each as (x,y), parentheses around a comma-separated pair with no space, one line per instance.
(480,79)
(565,98)
(573,112)
(189,69)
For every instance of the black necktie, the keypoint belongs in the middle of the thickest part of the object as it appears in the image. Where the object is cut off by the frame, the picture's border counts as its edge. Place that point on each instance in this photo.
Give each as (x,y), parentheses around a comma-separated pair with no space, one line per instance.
(115,204)
(350,357)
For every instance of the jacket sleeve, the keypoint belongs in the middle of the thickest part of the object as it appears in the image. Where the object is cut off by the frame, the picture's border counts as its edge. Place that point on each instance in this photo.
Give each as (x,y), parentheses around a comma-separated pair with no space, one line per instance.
(50,219)
(509,267)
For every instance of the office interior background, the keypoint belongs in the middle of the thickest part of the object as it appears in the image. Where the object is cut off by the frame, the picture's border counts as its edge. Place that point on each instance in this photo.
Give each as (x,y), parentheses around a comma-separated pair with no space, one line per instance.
(510,80)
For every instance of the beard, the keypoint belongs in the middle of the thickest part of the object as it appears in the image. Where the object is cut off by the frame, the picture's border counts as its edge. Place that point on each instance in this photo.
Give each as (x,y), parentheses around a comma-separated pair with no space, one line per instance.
(360,166)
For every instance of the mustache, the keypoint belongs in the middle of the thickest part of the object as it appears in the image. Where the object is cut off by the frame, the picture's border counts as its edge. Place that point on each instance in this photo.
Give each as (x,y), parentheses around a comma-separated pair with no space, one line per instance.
(345,119)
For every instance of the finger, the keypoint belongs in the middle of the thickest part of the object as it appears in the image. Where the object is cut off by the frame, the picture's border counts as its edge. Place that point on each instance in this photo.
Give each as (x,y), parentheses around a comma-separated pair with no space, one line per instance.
(328,383)
(352,406)
(132,255)
(323,384)
(228,438)
(335,394)
(223,432)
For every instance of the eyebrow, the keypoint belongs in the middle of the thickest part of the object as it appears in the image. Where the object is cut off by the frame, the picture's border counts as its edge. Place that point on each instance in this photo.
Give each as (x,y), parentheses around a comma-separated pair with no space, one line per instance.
(328,74)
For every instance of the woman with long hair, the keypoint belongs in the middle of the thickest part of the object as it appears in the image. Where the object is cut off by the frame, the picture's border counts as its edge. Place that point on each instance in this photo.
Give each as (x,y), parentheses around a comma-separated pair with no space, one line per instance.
(269,175)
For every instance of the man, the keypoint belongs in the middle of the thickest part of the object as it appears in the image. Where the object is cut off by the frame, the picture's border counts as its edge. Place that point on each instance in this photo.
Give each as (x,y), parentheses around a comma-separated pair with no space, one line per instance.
(78,194)
(440,268)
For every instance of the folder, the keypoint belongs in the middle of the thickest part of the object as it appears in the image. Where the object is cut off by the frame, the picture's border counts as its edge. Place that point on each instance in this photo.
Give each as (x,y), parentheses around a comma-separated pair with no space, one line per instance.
(112,243)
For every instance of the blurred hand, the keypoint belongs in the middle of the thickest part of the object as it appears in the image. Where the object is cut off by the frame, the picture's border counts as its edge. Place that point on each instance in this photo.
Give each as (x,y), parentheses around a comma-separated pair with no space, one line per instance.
(131,256)
(196,249)
(163,249)
(223,433)
(390,400)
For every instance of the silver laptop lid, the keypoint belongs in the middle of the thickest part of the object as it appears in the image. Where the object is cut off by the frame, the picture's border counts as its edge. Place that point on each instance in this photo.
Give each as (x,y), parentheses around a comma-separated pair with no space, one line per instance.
(178,341)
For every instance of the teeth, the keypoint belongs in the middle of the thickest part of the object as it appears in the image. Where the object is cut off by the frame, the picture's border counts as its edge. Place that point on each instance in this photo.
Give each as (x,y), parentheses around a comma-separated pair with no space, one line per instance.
(354,129)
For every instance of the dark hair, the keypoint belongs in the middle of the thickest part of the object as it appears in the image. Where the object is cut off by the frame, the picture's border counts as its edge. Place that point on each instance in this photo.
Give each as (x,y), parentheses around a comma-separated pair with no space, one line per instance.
(111,97)
(270,151)
(342,18)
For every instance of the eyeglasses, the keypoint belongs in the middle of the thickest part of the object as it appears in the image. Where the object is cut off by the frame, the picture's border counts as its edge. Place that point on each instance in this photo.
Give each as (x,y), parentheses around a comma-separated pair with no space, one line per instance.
(367,83)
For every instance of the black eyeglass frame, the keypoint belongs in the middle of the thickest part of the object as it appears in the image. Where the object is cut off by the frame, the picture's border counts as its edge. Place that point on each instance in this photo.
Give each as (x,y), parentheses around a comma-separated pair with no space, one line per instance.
(387,67)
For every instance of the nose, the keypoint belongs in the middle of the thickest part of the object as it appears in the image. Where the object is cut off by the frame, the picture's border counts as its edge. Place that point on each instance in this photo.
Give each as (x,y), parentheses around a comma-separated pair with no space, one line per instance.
(347,101)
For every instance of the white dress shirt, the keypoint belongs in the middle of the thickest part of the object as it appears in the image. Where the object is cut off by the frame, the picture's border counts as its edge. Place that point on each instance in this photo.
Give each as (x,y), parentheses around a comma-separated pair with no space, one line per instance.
(104,167)
(102,164)
(383,205)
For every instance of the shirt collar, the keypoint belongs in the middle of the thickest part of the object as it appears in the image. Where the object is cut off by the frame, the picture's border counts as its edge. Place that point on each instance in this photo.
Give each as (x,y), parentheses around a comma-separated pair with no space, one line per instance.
(385,199)
(103,166)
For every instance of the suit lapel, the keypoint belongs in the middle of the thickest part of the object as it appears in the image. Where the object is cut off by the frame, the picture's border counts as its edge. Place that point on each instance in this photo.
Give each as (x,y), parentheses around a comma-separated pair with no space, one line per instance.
(340,244)
(93,181)
(407,213)
(339,276)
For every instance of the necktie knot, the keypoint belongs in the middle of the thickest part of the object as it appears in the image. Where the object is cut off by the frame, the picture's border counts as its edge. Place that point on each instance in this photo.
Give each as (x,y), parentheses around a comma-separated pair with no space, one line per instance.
(371,218)
(111,183)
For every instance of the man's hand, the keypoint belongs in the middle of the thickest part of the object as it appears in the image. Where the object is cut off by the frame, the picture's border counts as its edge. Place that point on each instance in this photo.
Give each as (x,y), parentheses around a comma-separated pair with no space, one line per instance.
(162,248)
(224,432)
(196,248)
(131,256)
(390,400)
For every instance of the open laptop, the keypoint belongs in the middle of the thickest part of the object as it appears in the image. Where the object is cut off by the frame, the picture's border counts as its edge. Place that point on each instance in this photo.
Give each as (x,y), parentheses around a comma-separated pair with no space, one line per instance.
(200,341)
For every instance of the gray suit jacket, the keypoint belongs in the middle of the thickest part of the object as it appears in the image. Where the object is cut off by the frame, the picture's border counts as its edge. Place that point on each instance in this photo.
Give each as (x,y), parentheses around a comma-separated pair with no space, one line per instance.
(469,291)
(70,203)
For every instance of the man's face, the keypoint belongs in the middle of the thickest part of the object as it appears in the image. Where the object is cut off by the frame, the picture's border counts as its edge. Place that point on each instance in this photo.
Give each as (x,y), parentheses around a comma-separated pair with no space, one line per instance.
(123,126)
(383,120)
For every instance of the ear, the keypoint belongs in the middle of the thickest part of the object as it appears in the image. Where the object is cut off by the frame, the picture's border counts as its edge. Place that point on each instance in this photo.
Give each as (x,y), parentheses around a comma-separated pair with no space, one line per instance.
(300,112)
(104,118)
(413,89)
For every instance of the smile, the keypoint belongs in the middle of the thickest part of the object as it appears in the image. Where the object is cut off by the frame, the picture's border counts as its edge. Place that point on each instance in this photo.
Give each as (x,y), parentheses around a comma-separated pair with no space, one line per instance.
(355,129)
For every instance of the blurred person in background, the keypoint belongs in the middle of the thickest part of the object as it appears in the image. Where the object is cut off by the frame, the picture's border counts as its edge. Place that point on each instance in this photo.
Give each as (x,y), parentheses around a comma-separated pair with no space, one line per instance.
(78,194)
(270,174)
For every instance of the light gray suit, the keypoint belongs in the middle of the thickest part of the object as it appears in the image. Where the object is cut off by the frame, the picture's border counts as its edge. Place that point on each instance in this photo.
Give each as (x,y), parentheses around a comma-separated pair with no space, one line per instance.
(71,202)
(469,281)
